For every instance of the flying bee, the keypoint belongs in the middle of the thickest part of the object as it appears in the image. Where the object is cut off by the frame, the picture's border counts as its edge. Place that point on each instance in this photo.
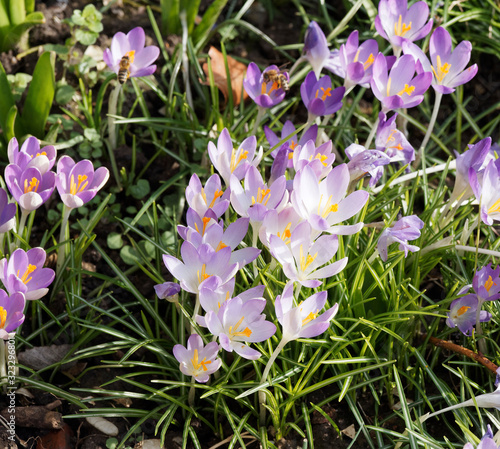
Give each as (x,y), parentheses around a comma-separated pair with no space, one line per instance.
(276,76)
(124,71)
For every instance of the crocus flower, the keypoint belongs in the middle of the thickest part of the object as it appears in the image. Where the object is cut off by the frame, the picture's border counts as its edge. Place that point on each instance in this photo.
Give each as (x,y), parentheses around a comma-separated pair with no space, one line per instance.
(280,223)
(448,67)
(228,160)
(354,61)
(486,191)
(486,283)
(316,50)
(398,88)
(78,183)
(238,322)
(397,24)
(406,228)
(266,94)
(24,273)
(197,224)
(131,46)
(463,314)
(303,320)
(30,154)
(11,313)
(29,187)
(211,196)
(320,159)
(392,141)
(319,97)
(197,360)
(488,400)
(7,213)
(292,142)
(487,442)
(256,198)
(199,264)
(324,204)
(474,157)
(363,161)
(167,290)
(302,258)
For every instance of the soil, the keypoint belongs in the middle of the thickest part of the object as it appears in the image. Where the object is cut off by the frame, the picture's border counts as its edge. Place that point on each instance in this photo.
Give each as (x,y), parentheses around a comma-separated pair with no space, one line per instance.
(78,433)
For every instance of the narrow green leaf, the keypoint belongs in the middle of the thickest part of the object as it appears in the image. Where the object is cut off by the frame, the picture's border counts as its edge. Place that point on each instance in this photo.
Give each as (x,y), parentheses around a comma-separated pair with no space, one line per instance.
(40,96)
(209,18)
(29,6)
(17,12)
(191,8)
(170,22)
(10,123)
(6,96)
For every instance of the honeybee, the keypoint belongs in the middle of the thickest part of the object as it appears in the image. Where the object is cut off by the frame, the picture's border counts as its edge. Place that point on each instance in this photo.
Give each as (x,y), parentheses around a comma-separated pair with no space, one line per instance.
(124,71)
(276,76)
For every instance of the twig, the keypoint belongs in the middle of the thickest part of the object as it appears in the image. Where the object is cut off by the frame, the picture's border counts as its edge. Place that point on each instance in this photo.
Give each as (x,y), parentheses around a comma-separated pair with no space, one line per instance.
(464,351)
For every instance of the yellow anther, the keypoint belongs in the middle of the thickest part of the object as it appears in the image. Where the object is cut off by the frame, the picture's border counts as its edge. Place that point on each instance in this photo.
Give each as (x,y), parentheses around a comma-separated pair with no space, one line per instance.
(305,261)
(236,158)
(389,87)
(495,207)
(202,275)
(489,283)
(400,28)
(442,69)
(82,184)
(197,364)
(28,271)
(3,317)
(369,61)
(244,333)
(263,196)
(309,317)
(43,153)
(32,186)
(217,194)
(131,55)
(406,90)
(326,93)
(220,246)
(285,236)
(462,310)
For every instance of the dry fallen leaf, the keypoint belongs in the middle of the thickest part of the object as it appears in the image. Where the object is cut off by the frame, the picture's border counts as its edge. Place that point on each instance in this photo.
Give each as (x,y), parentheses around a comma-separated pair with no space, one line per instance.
(237,72)
(58,439)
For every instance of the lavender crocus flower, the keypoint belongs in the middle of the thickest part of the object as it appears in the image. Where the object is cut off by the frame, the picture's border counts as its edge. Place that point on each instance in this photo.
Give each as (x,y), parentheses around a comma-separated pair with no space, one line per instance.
(199,264)
(229,160)
(406,228)
(256,198)
(24,273)
(78,183)
(487,442)
(266,94)
(29,187)
(211,196)
(7,213)
(197,224)
(316,50)
(318,96)
(167,290)
(30,154)
(280,223)
(398,88)
(302,258)
(292,142)
(363,161)
(463,314)
(486,283)
(303,320)
(354,62)
(131,45)
(320,159)
(473,158)
(448,67)
(486,191)
(392,141)
(11,313)
(238,322)
(397,24)
(197,360)
(324,204)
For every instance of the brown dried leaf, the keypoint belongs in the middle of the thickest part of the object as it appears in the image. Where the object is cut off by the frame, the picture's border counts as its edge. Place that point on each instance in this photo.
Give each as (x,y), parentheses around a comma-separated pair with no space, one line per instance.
(58,439)
(237,72)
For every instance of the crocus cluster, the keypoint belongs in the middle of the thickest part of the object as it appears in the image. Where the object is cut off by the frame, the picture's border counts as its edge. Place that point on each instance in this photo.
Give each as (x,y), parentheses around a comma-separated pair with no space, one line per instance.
(31,181)
(465,312)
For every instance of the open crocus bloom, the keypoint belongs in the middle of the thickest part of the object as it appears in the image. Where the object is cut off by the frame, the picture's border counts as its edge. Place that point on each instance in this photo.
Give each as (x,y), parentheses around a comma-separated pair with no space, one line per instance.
(463,314)
(24,273)
(11,313)
(266,94)
(131,45)
(77,183)
(197,360)
(30,154)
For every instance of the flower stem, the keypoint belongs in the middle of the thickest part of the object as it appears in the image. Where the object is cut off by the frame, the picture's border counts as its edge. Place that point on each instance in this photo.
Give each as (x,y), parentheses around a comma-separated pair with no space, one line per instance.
(260,113)
(372,134)
(112,108)
(3,363)
(195,311)
(191,393)
(421,151)
(22,223)
(262,394)
(63,237)
(473,249)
